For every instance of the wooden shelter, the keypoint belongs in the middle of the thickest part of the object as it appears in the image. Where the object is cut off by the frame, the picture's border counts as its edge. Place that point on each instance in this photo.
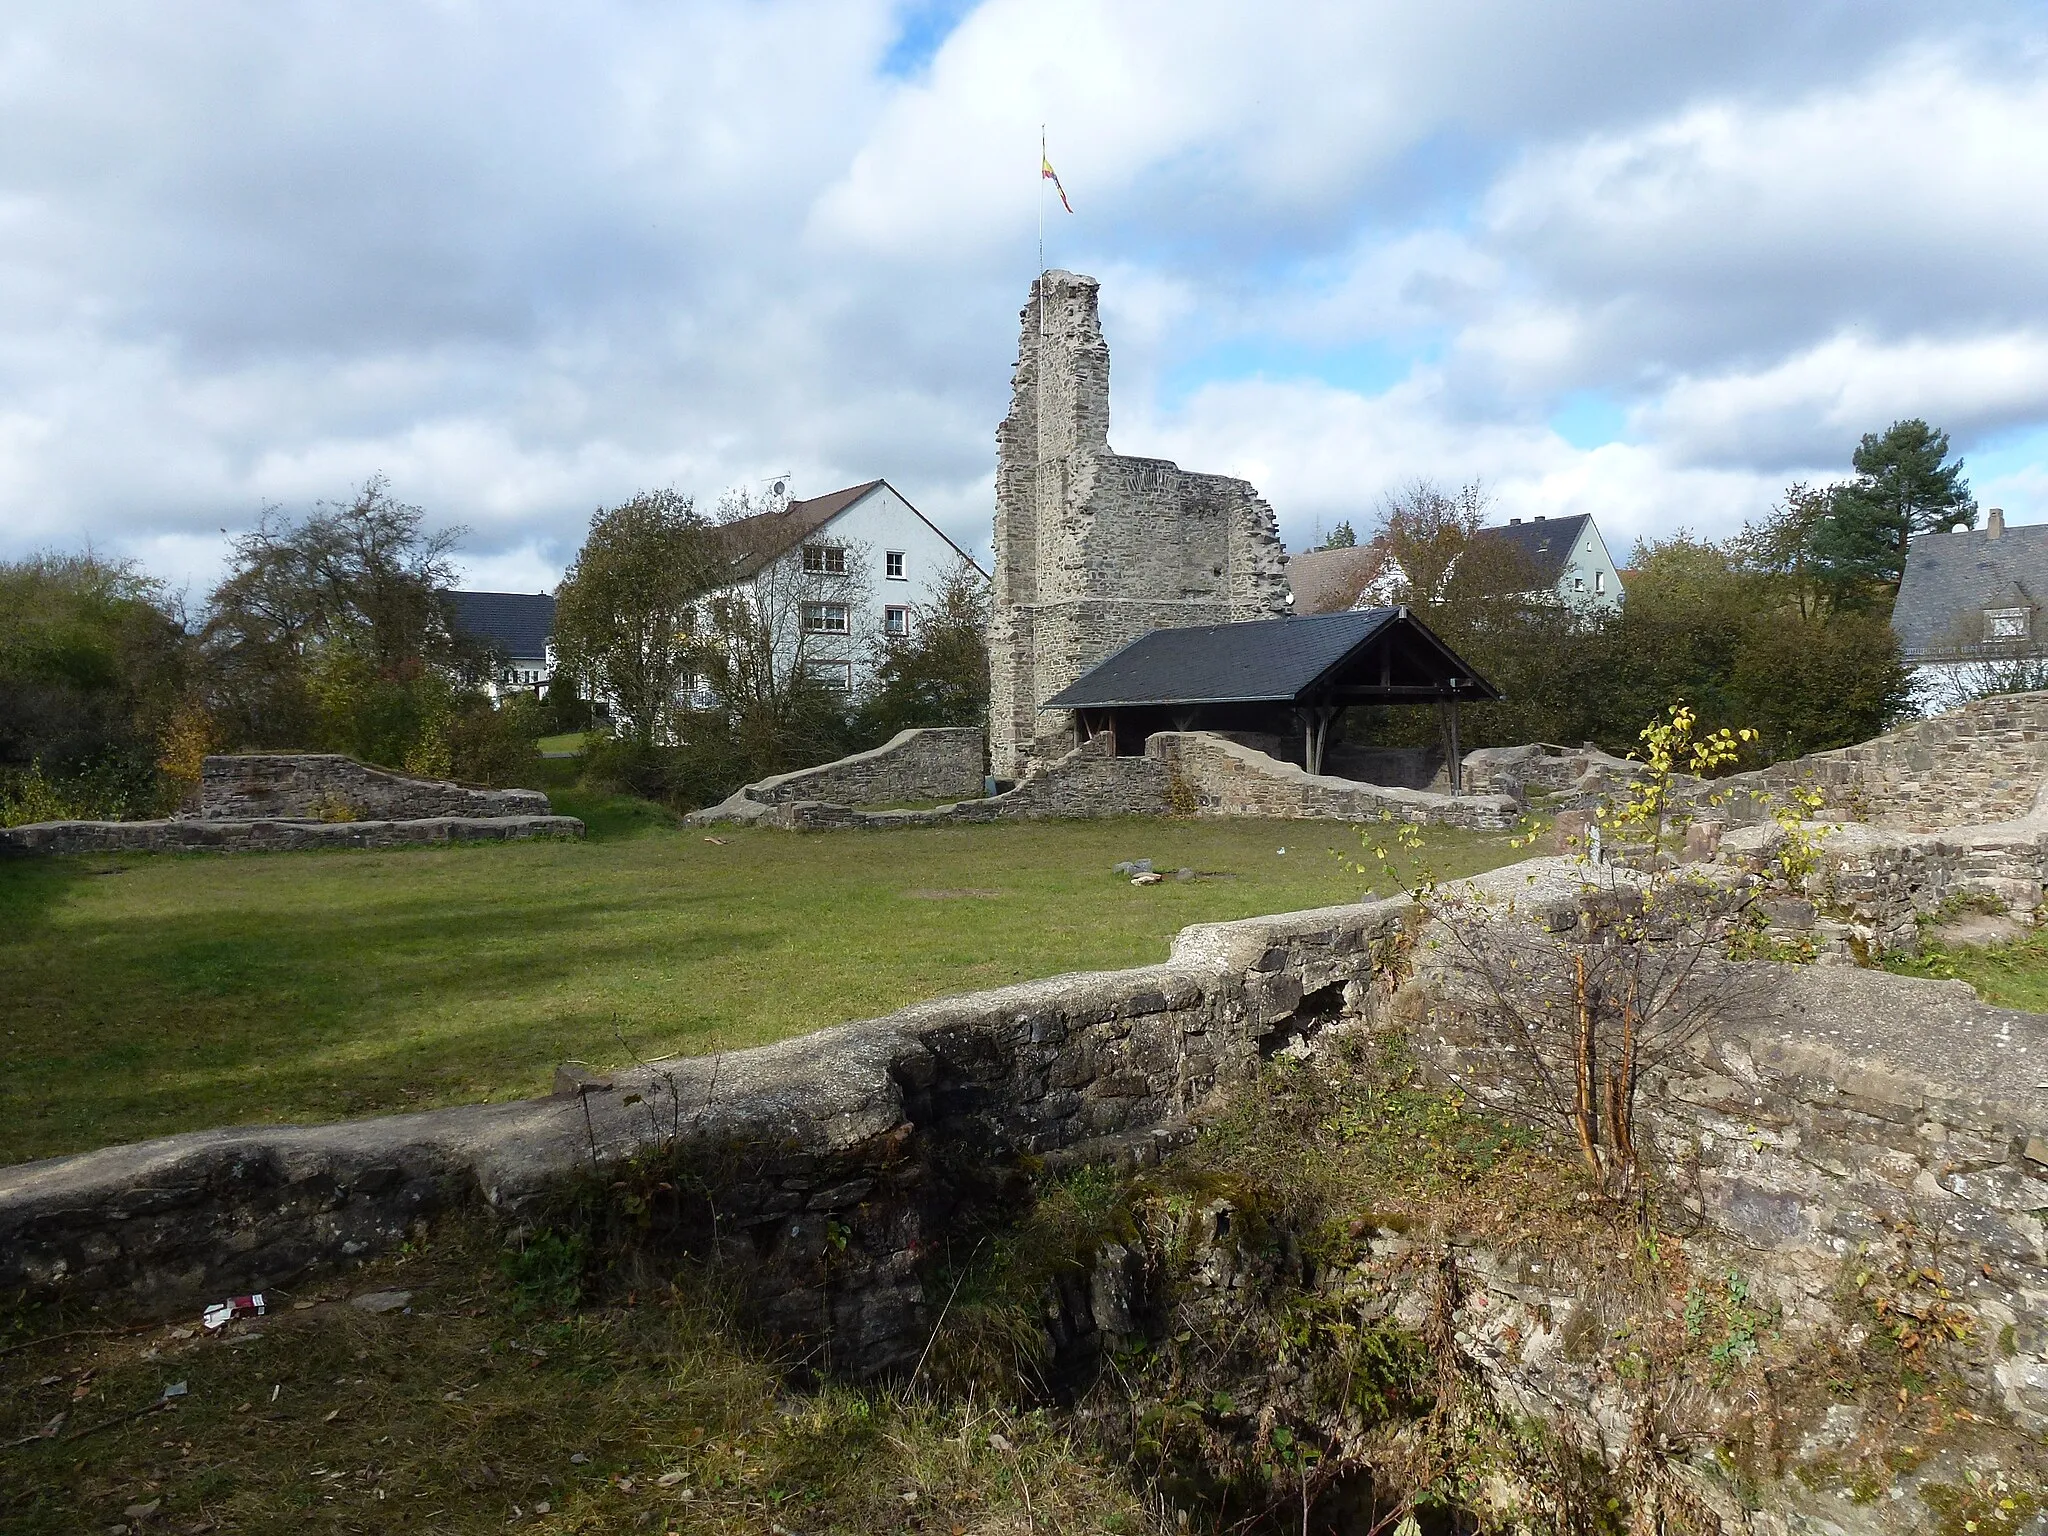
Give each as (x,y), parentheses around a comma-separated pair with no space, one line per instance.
(1273,676)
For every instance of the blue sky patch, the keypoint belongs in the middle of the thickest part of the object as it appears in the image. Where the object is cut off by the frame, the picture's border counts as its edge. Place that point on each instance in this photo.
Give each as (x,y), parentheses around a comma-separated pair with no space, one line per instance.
(1588,418)
(922,27)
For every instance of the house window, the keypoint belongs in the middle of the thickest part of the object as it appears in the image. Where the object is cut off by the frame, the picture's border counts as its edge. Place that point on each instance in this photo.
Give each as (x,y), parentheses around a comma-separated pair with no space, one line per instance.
(1578,583)
(896,621)
(833,674)
(825,618)
(2006,623)
(892,563)
(1599,581)
(825,559)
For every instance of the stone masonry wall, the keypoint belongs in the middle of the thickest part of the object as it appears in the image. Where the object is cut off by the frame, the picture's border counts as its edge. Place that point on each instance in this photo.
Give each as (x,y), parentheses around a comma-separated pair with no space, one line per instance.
(1872,1115)
(1882,883)
(1229,779)
(1088,782)
(193,836)
(1979,764)
(934,763)
(305,785)
(1093,548)
(1217,777)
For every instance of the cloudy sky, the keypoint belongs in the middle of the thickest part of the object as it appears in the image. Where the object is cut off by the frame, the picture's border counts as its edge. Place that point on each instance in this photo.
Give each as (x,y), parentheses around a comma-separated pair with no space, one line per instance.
(1647,260)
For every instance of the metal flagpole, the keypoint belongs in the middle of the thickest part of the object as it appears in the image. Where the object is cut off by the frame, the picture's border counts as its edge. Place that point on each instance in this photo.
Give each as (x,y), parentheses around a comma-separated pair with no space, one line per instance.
(1041,199)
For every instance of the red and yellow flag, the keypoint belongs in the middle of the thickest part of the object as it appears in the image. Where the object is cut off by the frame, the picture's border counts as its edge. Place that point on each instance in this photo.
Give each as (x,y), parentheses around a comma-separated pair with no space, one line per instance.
(1047,173)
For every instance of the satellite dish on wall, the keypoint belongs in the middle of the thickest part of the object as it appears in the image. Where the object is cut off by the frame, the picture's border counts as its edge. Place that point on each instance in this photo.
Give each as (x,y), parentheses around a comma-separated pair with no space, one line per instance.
(779,487)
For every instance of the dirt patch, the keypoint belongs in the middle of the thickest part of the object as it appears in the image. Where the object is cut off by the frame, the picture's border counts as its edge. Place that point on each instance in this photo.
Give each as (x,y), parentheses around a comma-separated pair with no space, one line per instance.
(964,893)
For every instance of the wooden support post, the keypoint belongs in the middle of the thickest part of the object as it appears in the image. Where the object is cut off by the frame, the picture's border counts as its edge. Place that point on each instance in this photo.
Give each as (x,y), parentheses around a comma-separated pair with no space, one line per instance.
(1457,753)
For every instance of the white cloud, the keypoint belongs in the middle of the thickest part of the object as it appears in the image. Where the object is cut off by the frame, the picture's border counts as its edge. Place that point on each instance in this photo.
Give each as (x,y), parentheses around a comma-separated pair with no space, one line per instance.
(1321,455)
(526,260)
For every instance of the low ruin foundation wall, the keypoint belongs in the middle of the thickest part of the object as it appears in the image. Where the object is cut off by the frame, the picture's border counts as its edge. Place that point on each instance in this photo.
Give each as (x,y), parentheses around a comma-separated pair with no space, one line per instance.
(1884,884)
(1182,773)
(317,786)
(1090,781)
(1227,778)
(926,763)
(191,835)
(1983,763)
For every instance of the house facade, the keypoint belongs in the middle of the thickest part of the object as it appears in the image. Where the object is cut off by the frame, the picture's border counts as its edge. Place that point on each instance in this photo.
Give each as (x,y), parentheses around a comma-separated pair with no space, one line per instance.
(519,628)
(853,565)
(1568,556)
(1968,614)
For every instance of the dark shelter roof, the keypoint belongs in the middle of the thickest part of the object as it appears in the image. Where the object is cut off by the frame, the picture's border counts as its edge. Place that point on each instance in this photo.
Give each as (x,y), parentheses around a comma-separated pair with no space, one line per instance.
(516,623)
(1951,578)
(1545,542)
(1366,655)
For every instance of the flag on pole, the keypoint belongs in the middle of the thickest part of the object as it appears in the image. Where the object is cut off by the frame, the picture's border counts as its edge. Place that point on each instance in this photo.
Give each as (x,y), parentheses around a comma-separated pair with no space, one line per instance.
(1047,173)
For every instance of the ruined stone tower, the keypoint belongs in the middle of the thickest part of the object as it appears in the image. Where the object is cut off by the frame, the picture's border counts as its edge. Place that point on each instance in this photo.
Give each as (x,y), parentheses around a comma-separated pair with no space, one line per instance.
(1092,548)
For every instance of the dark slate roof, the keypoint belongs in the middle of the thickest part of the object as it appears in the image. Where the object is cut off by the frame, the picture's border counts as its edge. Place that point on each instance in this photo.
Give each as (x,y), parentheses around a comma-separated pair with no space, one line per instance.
(1545,542)
(1262,662)
(516,623)
(1951,578)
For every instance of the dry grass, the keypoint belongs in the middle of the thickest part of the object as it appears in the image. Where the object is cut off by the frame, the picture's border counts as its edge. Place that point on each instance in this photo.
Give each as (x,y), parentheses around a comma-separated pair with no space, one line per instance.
(475,1412)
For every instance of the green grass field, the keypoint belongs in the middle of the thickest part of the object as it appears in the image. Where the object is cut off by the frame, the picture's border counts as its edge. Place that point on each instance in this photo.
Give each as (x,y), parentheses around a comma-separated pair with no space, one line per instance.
(2005,975)
(146,995)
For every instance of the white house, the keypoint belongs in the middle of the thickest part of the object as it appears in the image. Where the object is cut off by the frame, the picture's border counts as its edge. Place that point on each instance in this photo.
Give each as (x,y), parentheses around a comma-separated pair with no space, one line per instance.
(1568,556)
(869,560)
(1969,612)
(863,558)
(519,627)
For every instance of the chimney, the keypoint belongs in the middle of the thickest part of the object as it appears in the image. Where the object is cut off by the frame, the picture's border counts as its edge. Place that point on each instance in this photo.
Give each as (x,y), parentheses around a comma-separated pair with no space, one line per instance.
(1539,517)
(1514,522)
(1994,523)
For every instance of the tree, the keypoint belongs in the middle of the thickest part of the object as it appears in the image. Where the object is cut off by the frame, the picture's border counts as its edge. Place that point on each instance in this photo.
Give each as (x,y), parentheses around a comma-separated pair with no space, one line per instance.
(1903,486)
(323,628)
(1907,474)
(1810,685)
(1341,537)
(938,673)
(629,619)
(96,663)
(1779,548)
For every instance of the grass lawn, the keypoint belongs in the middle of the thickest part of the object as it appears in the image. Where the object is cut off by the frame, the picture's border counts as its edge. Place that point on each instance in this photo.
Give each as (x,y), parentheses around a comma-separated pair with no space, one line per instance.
(568,741)
(2005,975)
(152,994)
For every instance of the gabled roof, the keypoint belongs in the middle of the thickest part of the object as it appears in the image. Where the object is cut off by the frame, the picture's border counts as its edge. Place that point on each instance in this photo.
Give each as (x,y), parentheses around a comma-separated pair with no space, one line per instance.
(1545,542)
(767,536)
(1951,578)
(1331,580)
(515,623)
(1267,661)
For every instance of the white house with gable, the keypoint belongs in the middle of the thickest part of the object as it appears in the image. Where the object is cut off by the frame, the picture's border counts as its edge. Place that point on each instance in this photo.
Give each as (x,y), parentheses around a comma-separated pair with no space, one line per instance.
(869,561)
(1567,556)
